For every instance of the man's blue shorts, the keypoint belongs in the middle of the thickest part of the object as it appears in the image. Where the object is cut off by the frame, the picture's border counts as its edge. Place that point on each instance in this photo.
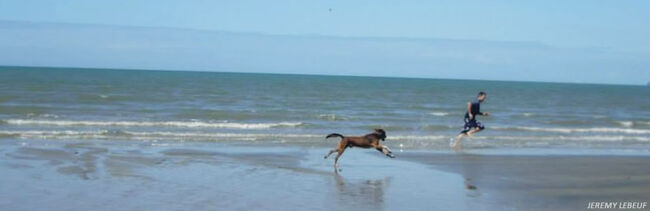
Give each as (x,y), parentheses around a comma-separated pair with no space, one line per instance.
(470,124)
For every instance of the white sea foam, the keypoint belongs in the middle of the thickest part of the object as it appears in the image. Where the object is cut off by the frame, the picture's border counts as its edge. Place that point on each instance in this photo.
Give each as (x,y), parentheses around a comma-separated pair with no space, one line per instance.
(47,116)
(173,135)
(415,137)
(580,130)
(625,123)
(189,124)
(167,135)
(528,114)
(332,117)
(60,134)
(224,135)
(146,135)
(568,138)
(168,138)
(439,113)
(49,132)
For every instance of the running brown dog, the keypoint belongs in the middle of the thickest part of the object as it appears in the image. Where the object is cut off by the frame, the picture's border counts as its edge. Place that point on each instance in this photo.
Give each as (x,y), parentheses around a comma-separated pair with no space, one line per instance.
(370,140)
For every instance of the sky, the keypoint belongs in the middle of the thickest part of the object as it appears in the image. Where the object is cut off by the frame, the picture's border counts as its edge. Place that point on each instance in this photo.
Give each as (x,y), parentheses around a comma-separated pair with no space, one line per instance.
(563,41)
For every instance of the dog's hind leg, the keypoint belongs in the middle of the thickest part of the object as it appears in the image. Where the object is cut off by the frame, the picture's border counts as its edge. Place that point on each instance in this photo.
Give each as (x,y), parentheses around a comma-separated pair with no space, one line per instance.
(329,153)
(336,159)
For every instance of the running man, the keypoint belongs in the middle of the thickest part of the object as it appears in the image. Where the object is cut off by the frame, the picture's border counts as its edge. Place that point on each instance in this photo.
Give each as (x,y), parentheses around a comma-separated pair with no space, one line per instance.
(471,125)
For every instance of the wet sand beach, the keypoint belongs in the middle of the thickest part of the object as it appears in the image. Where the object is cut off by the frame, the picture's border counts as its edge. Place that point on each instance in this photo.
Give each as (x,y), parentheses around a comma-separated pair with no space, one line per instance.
(76,175)
(547,182)
(109,175)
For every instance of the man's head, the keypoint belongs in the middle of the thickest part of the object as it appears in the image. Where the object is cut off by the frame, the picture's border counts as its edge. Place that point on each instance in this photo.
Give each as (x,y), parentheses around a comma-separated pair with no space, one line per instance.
(481,96)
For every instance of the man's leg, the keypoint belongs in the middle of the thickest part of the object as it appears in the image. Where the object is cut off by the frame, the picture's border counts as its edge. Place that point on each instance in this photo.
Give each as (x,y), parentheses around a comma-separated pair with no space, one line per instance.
(471,126)
(472,131)
(463,134)
(456,144)
(477,128)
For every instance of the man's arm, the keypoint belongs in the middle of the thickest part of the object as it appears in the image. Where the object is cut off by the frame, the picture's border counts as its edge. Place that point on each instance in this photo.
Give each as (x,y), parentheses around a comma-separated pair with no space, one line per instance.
(469,110)
(483,113)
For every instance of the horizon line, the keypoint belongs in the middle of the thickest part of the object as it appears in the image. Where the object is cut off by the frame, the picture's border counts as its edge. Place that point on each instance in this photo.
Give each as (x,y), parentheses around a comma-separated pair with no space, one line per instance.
(316,74)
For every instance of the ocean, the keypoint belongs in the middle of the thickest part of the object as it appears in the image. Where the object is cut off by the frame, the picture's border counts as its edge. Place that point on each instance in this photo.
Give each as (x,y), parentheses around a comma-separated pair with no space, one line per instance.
(180,107)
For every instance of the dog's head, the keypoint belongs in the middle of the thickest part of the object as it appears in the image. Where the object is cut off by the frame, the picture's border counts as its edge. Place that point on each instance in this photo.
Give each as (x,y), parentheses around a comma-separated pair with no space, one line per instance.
(381,134)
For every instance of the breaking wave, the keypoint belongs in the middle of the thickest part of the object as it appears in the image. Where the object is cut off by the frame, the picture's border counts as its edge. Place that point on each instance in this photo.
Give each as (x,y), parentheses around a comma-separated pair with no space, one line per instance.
(186,124)
(168,135)
(578,130)
(439,113)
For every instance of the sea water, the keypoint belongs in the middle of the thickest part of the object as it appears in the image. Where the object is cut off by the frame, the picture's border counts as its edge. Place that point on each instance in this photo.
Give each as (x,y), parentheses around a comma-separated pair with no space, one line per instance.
(422,114)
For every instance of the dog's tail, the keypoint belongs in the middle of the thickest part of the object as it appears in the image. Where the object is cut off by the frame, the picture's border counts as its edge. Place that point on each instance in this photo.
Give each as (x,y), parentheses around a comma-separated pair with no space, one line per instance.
(334,135)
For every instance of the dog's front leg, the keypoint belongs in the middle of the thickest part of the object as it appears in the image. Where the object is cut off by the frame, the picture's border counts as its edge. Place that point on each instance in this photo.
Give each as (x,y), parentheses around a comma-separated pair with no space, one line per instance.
(387,152)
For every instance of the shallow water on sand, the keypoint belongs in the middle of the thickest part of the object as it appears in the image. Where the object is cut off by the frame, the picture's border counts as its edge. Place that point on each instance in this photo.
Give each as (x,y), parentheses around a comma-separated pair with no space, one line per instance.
(102,175)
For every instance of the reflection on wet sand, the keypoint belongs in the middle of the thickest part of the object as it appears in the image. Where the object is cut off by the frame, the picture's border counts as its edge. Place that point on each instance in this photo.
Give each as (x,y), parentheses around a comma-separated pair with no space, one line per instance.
(362,193)
(470,172)
(561,182)
(468,184)
(97,175)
